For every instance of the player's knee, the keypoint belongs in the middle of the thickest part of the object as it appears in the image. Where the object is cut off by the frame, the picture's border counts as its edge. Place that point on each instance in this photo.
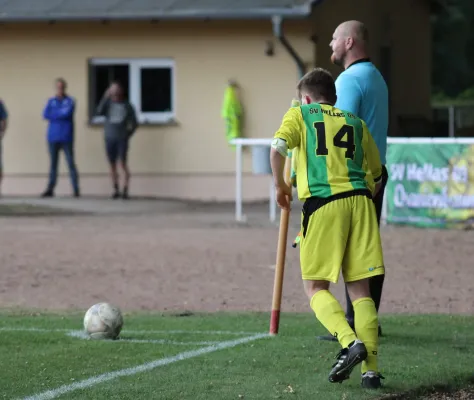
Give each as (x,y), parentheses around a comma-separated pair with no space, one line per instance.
(313,287)
(358,289)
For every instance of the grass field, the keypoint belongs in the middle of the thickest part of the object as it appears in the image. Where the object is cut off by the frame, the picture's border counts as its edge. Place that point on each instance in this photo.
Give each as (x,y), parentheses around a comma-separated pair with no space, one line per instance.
(221,356)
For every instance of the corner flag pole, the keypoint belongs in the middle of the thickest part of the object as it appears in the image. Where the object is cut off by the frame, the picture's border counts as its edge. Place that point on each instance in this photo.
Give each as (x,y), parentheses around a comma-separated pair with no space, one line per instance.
(281,252)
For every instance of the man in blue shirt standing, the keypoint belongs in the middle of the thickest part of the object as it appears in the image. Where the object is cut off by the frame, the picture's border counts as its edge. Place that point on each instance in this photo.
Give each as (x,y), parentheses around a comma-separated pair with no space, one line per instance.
(362,90)
(59,112)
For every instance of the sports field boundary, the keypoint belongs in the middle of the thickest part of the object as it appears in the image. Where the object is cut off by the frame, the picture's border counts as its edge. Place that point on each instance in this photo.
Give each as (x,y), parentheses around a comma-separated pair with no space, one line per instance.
(131,332)
(146,367)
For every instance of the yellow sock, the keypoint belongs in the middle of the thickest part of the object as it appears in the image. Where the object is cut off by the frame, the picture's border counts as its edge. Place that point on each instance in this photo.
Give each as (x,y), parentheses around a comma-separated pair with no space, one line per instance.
(330,313)
(367,328)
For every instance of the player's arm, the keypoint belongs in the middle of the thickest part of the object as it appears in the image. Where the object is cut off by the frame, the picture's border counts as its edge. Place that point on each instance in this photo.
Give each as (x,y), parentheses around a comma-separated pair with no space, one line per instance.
(349,94)
(3,119)
(286,138)
(372,156)
(294,167)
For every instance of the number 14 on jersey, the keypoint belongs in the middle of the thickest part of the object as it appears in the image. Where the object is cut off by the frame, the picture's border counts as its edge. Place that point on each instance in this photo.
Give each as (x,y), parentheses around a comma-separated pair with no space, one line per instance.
(343,139)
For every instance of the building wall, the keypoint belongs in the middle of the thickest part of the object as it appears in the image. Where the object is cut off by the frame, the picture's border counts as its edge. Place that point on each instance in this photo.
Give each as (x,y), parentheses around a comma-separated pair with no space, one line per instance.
(401,26)
(190,159)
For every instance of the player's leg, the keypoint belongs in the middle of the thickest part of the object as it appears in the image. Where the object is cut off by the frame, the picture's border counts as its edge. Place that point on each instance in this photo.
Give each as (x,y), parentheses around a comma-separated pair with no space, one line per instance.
(111,148)
(53,168)
(362,261)
(375,282)
(123,152)
(366,325)
(325,231)
(68,149)
(329,311)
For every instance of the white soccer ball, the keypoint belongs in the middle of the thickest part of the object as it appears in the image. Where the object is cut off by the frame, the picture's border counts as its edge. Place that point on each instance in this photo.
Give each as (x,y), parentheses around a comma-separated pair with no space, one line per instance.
(103,321)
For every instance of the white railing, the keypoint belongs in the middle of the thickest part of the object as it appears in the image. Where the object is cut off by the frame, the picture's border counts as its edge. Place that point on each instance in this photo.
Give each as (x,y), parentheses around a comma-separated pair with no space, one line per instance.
(241,142)
(421,140)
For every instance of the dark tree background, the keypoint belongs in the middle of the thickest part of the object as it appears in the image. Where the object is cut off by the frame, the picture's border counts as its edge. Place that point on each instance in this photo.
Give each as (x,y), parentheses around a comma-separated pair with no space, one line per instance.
(453,50)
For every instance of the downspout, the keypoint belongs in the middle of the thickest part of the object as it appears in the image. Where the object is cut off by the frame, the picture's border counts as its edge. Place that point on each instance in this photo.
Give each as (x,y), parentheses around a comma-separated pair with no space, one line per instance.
(278,33)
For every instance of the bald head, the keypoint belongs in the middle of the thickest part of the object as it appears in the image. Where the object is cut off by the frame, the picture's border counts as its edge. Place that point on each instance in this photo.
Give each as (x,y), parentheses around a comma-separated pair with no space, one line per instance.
(349,43)
(355,30)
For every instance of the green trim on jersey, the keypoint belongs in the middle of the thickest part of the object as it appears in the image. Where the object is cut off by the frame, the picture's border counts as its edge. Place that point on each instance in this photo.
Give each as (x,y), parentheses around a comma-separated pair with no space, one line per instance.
(317,173)
(356,173)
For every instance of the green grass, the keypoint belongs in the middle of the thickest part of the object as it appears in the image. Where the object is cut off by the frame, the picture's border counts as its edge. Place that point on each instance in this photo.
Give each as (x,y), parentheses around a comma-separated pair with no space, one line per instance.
(417,352)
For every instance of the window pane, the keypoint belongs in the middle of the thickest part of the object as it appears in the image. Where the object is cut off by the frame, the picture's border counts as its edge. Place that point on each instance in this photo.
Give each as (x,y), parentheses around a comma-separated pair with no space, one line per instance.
(155,89)
(104,74)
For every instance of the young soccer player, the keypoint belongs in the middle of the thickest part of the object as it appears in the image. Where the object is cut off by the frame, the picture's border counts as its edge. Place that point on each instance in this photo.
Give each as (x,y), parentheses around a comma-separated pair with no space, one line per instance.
(339,171)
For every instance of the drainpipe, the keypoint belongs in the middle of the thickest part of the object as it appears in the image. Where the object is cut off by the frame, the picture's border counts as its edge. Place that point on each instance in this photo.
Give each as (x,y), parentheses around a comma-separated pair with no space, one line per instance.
(278,33)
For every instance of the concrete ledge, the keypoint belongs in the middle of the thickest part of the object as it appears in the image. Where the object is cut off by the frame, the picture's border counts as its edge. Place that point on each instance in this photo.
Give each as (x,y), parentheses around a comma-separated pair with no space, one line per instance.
(220,188)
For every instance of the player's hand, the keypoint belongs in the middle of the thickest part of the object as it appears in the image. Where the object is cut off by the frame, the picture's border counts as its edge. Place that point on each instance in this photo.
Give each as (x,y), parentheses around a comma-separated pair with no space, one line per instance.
(284,196)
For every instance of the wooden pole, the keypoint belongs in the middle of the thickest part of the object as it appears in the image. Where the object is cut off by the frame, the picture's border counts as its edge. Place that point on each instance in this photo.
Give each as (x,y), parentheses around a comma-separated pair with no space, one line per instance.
(281,253)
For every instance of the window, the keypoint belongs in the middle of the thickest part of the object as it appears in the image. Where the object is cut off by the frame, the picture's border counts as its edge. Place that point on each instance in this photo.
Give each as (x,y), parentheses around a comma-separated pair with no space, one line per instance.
(148,85)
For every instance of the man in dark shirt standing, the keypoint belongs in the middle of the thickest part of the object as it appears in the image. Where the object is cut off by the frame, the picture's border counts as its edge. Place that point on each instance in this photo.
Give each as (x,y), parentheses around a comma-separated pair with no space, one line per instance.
(120,124)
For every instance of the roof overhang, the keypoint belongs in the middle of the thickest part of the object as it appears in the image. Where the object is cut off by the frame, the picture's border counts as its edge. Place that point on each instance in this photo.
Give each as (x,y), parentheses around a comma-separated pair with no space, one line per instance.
(291,12)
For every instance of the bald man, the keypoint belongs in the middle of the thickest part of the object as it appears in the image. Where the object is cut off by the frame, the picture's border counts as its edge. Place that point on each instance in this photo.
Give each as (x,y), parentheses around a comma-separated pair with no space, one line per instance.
(362,91)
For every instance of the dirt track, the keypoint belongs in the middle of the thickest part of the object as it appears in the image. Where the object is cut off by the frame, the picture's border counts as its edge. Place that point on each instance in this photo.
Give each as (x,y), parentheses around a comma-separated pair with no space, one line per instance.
(201,260)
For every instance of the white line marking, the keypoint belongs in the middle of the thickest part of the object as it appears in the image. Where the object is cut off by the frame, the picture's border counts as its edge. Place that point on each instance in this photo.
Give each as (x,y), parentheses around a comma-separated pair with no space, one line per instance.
(238,333)
(96,380)
(132,332)
(83,335)
(170,342)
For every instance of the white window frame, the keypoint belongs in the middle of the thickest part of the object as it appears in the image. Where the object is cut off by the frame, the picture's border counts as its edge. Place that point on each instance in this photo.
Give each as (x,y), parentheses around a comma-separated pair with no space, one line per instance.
(135,65)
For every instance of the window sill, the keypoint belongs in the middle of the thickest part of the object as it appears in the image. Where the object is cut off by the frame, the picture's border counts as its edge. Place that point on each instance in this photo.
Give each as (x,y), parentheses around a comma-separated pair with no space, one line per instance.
(171,122)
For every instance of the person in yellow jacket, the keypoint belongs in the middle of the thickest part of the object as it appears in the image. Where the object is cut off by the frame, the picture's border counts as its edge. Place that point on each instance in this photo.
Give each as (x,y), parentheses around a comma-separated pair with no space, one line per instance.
(232,112)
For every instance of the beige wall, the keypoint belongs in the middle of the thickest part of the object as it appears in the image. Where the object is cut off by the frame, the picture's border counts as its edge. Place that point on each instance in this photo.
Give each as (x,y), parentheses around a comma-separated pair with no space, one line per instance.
(206,56)
(403,25)
(165,160)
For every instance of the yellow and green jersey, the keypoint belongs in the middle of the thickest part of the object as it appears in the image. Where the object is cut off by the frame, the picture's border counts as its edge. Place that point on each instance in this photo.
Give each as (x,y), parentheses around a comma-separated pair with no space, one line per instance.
(335,150)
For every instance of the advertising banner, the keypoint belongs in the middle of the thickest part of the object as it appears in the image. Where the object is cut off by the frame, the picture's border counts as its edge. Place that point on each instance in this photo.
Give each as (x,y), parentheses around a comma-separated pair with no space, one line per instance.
(430,184)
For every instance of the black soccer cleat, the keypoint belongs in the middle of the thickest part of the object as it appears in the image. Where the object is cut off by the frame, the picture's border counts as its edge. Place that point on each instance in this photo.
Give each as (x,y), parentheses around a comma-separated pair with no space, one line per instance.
(371,380)
(347,359)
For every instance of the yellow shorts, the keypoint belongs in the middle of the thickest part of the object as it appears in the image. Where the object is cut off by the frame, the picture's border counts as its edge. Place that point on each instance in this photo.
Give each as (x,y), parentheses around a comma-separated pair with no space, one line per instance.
(341,234)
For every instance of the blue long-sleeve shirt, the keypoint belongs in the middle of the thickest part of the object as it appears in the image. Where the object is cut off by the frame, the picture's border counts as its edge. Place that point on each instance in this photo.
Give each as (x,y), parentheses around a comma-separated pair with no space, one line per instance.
(59,112)
(3,111)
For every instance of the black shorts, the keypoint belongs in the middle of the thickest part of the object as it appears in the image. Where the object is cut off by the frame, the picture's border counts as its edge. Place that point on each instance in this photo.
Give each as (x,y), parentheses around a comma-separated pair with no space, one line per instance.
(117,149)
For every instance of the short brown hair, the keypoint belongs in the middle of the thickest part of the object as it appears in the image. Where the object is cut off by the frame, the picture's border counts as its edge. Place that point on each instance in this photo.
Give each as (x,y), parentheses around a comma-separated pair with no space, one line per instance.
(318,83)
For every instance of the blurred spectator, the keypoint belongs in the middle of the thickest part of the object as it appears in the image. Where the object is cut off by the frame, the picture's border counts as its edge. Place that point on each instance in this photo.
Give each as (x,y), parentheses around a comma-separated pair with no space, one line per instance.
(120,125)
(3,127)
(59,111)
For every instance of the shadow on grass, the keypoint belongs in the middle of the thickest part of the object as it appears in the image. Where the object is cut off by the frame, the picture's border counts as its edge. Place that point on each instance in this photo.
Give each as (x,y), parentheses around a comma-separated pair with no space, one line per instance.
(441,392)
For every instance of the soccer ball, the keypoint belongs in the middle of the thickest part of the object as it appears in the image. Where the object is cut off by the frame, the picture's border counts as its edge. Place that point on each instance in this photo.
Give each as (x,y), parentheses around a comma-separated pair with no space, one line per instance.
(103,321)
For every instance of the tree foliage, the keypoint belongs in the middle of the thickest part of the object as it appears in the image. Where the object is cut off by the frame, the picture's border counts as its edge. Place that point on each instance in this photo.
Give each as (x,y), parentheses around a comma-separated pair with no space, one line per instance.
(453,50)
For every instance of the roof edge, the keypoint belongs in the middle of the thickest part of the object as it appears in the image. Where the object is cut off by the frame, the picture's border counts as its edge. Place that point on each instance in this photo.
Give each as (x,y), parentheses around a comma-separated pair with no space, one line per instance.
(258,13)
